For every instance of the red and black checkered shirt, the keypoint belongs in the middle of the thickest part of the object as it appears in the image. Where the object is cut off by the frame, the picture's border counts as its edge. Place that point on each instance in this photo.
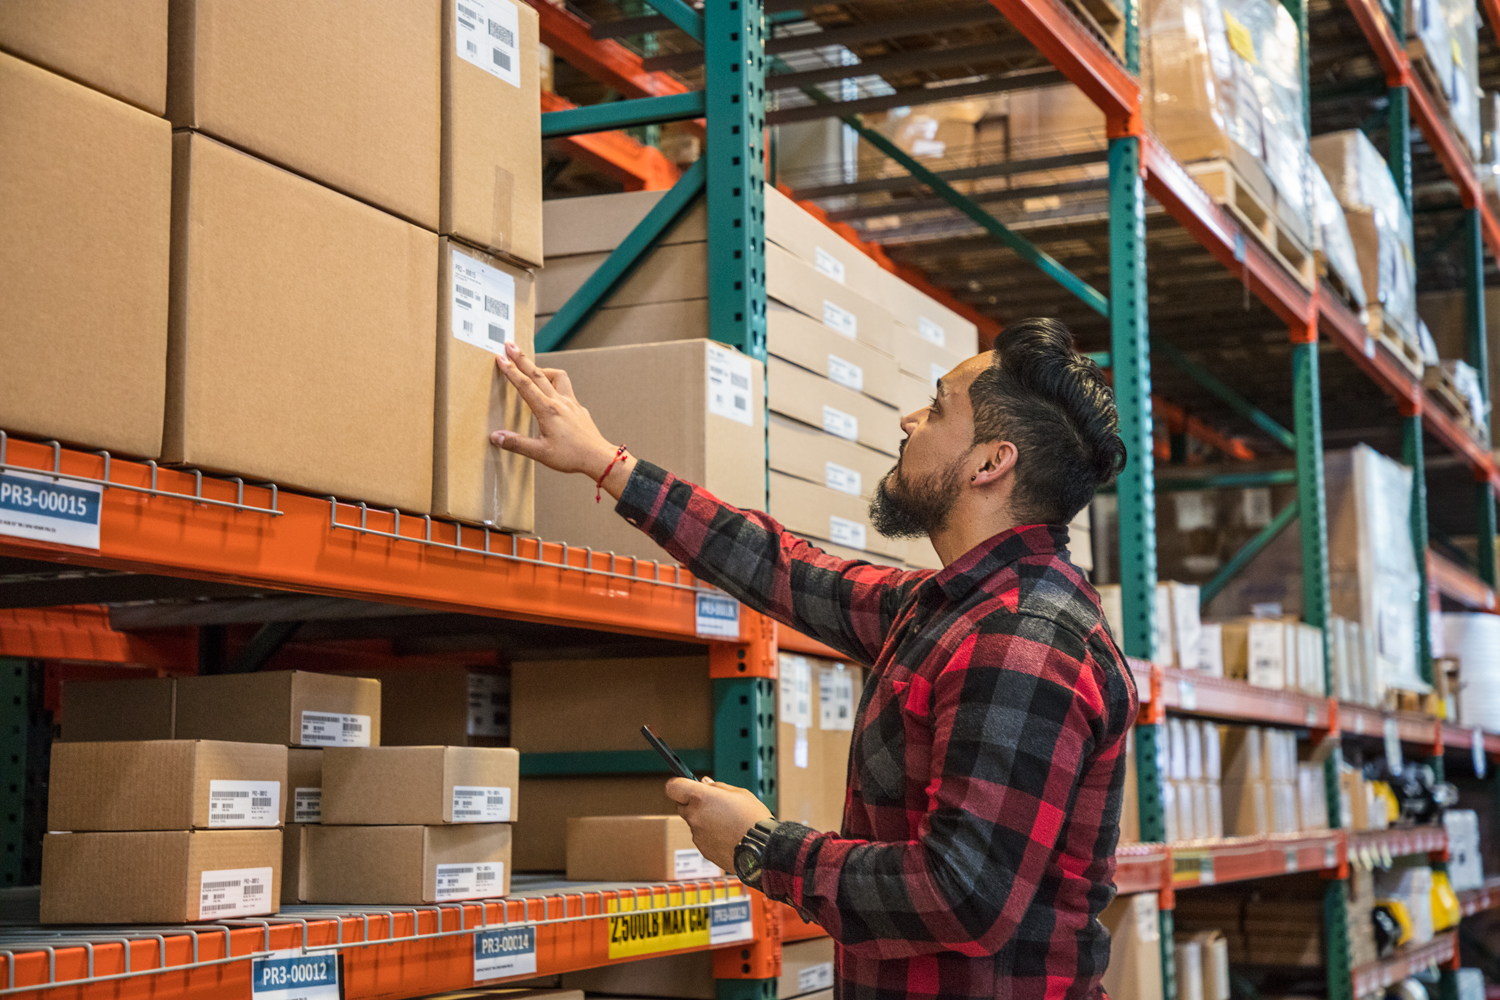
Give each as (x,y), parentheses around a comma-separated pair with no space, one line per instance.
(988,761)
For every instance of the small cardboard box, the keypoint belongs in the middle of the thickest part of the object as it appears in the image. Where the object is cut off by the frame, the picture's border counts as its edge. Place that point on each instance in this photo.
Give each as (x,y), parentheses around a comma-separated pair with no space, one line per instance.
(1242,754)
(806,452)
(85,204)
(541,841)
(138,709)
(119,49)
(304,782)
(634,849)
(829,515)
(1246,812)
(820,402)
(159,877)
(450,705)
(419,786)
(290,707)
(491,129)
(405,865)
(166,785)
(293,851)
(346,93)
(806,342)
(1255,651)
(1135,966)
(485,304)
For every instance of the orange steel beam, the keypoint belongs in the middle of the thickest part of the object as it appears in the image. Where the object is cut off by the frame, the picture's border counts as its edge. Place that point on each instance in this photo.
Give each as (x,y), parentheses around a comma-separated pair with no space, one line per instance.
(1178,420)
(638,166)
(1091,67)
(82,633)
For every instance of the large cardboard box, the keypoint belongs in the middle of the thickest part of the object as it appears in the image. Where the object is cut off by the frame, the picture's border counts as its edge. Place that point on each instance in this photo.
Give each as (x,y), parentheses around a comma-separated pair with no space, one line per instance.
(484,304)
(820,402)
(923,358)
(304,785)
(293,850)
(1135,947)
(492,128)
(405,865)
(420,786)
(301,347)
(796,283)
(450,705)
(541,842)
(828,515)
(141,708)
(159,877)
(806,342)
(706,424)
(794,229)
(290,707)
(166,785)
(635,849)
(670,273)
(85,204)
(345,92)
(626,326)
(599,223)
(117,48)
(600,705)
(806,452)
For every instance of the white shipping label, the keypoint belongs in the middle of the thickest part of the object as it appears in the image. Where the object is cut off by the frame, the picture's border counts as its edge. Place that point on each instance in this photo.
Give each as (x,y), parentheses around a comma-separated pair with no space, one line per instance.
(244,803)
(50,510)
(487,33)
(840,320)
(690,863)
(935,373)
(840,424)
(235,892)
(835,700)
(481,804)
(307,805)
(1193,510)
(489,705)
(717,615)
(1392,734)
(799,748)
(332,729)
(932,332)
(836,477)
(470,881)
(729,385)
(796,690)
(509,952)
(295,975)
(815,977)
(843,531)
(729,921)
(828,264)
(483,304)
(1255,507)
(846,373)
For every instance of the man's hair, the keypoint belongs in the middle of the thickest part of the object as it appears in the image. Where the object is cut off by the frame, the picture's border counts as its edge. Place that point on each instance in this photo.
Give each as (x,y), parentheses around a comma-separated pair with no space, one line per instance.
(1055,406)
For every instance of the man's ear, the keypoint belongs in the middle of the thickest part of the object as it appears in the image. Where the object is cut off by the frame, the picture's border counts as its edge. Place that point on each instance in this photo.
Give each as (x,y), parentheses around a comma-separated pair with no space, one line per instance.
(997,459)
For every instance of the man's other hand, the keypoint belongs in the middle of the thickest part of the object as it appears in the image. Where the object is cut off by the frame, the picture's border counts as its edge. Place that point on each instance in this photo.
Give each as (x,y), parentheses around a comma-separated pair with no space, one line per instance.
(567,439)
(720,816)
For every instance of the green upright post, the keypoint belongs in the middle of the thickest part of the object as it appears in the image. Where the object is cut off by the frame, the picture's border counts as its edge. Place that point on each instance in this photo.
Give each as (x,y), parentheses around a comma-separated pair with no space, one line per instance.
(1311,499)
(1476,330)
(13,740)
(1411,454)
(1399,117)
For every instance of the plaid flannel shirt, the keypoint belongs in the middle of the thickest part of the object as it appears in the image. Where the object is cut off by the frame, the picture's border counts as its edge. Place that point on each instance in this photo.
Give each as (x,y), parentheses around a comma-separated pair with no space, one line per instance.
(988,764)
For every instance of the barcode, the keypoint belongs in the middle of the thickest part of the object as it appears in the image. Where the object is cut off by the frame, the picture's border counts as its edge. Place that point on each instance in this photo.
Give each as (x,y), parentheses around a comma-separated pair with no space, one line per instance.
(210,886)
(260,803)
(466,812)
(457,871)
(309,717)
(497,333)
(739,403)
(466,12)
(229,795)
(254,890)
(473,49)
(220,906)
(484,877)
(502,59)
(353,727)
(494,800)
(739,381)
(497,307)
(466,293)
(461,303)
(468,326)
(223,816)
(500,31)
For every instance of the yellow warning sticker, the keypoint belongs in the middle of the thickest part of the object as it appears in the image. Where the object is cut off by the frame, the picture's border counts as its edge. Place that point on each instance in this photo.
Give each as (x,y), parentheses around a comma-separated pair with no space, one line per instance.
(1458,53)
(1240,38)
(652,928)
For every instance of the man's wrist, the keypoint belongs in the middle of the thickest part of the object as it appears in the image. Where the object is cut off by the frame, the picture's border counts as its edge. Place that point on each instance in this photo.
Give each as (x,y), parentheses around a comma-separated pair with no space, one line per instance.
(599,460)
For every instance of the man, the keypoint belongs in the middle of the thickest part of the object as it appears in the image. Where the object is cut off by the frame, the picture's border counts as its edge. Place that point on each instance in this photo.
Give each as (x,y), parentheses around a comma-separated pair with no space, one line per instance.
(988,762)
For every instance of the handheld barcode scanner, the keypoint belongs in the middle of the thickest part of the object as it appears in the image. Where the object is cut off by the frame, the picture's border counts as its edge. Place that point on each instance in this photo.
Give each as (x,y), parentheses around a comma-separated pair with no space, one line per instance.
(674,762)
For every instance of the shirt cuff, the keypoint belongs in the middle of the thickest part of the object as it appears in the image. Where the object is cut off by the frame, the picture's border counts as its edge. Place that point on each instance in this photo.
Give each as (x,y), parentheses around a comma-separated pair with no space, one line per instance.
(641,499)
(782,861)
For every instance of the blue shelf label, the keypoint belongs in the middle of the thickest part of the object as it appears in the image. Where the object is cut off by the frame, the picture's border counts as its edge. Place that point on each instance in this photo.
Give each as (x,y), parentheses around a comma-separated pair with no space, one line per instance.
(718,616)
(730,921)
(294,975)
(502,953)
(45,509)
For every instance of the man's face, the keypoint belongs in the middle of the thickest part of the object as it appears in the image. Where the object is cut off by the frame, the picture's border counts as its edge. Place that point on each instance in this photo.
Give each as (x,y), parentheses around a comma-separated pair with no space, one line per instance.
(917,496)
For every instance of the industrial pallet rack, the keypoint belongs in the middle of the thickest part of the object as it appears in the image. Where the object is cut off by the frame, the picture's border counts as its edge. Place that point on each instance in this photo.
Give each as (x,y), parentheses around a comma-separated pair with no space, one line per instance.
(158,522)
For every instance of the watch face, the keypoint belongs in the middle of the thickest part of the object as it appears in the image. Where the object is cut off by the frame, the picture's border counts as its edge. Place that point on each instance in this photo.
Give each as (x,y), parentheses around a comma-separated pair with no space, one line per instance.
(747,863)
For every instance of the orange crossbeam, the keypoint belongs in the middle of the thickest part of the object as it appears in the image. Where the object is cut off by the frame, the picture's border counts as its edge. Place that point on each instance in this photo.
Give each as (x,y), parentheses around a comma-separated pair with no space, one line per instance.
(1070,47)
(638,166)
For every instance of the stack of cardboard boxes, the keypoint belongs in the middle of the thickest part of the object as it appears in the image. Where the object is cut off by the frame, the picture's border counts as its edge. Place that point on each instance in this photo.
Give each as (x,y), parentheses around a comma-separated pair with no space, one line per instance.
(1192,798)
(1266,789)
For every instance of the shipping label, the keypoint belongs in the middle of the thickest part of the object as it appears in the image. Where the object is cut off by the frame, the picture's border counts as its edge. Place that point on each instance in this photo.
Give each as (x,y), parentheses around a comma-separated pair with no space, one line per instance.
(50,510)
(840,424)
(843,531)
(650,932)
(815,977)
(307,805)
(717,615)
(729,385)
(295,975)
(835,700)
(235,892)
(796,690)
(828,264)
(689,863)
(481,804)
(487,34)
(845,480)
(334,729)
(244,803)
(475,880)
(846,373)
(840,320)
(502,953)
(932,332)
(484,304)
(489,705)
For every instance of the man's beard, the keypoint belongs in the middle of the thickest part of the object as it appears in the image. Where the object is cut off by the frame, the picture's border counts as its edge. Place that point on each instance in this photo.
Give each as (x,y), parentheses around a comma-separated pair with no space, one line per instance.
(905,509)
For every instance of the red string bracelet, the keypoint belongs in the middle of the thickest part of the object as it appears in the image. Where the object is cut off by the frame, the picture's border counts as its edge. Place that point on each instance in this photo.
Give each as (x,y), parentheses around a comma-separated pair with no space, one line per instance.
(599,486)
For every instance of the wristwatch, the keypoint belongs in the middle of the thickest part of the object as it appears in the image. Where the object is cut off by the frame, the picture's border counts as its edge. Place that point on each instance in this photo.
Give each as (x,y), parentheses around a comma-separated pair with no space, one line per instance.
(747,853)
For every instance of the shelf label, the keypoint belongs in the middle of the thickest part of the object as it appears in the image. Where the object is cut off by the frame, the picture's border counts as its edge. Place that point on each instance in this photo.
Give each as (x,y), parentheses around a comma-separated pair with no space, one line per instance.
(1192,868)
(1291,858)
(50,510)
(1187,696)
(1481,763)
(717,616)
(723,921)
(729,921)
(1393,746)
(508,952)
(295,975)
(1330,854)
(1310,717)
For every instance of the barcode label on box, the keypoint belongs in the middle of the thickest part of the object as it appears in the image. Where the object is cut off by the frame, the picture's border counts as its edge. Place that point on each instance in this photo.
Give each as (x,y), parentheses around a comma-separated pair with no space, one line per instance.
(729,385)
(509,952)
(843,531)
(295,975)
(489,705)
(828,264)
(815,977)
(932,332)
(690,863)
(716,615)
(332,729)
(846,373)
(484,35)
(796,690)
(470,881)
(481,804)
(244,803)
(307,805)
(235,892)
(837,477)
(840,320)
(840,424)
(483,304)
(835,700)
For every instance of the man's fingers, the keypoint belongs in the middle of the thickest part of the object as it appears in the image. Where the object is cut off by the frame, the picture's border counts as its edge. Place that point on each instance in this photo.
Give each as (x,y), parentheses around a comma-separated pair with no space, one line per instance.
(526,447)
(681,790)
(559,380)
(530,393)
(530,370)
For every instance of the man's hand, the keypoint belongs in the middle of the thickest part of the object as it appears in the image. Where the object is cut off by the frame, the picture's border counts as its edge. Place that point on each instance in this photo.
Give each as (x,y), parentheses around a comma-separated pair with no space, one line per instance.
(720,816)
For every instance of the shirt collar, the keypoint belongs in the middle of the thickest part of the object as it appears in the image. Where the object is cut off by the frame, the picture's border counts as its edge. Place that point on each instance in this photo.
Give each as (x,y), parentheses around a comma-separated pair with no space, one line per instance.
(987,558)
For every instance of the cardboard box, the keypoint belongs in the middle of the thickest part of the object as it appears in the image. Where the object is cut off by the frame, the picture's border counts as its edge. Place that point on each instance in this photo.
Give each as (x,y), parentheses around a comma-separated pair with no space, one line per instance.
(346,93)
(799,232)
(691,976)
(809,344)
(917,312)
(706,425)
(541,842)
(1245,809)
(451,705)
(596,224)
(627,326)
(491,130)
(485,304)
(405,865)
(814,510)
(159,877)
(166,785)
(85,203)
(119,49)
(137,709)
(818,699)
(290,707)
(293,851)
(922,358)
(600,705)
(819,402)
(1130,808)
(795,283)
(913,394)
(1242,754)
(1135,947)
(634,849)
(670,273)
(806,967)
(304,785)
(807,452)
(1255,651)
(420,786)
(267,321)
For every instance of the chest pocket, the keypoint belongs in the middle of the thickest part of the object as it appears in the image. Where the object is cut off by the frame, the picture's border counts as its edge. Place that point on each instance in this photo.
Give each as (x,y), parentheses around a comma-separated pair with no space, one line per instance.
(895,743)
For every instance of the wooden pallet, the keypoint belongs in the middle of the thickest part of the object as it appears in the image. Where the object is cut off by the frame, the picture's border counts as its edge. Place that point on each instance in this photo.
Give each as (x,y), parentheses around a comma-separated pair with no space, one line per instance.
(1224,184)
(1380,328)
(1421,64)
(1444,391)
